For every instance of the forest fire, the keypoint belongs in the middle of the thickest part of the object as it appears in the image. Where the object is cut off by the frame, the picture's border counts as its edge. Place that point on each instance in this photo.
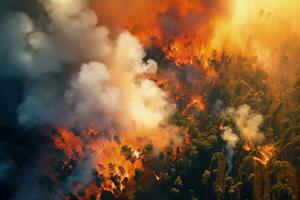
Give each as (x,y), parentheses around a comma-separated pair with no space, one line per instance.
(195,101)
(69,143)
(263,153)
(181,28)
(132,99)
(114,163)
(266,153)
(181,40)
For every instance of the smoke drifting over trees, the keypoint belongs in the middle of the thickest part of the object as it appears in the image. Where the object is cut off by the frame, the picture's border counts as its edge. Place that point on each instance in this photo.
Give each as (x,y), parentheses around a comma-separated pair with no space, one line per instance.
(72,72)
(149,99)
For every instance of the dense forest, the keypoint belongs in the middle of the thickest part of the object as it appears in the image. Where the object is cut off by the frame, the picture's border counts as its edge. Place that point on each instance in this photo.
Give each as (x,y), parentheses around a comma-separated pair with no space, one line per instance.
(149,100)
(198,168)
(205,165)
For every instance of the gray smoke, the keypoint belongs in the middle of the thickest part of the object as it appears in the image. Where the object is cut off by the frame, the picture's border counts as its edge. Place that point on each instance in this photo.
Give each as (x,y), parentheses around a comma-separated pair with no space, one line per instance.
(248,123)
(74,72)
(231,140)
(81,176)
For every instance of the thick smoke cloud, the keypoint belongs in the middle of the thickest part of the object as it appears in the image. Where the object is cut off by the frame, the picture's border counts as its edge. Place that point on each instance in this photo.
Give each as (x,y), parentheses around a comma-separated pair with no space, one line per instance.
(59,88)
(73,71)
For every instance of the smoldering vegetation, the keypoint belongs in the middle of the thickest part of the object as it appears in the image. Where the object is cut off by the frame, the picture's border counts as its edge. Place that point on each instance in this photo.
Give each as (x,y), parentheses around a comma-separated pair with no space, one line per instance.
(76,95)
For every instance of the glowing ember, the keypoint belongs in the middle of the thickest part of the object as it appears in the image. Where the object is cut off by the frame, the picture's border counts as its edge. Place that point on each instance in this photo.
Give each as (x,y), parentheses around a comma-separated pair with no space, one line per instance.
(159,176)
(247,147)
(221,127)
(136,154)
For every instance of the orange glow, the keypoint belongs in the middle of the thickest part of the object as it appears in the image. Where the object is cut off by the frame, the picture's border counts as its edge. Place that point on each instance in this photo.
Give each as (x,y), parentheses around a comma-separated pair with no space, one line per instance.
(114,166)
(110,162)
(159,176)
(188,137)
(69,143)
(264,153)
(195,101)
(247,147)
(185,32)
(182,28)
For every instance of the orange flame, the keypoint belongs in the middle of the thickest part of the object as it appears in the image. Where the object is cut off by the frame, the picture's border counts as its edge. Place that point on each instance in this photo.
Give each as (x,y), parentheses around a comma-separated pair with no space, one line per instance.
(195,101)
(264,153)
(69,143)
(112,166)
(181,28)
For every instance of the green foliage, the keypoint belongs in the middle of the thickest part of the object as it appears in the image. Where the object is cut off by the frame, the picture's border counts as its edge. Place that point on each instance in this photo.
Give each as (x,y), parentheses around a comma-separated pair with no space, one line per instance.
(282,192)
(175,192)
(205,177)
(197,170)
(178,182)
(128,153)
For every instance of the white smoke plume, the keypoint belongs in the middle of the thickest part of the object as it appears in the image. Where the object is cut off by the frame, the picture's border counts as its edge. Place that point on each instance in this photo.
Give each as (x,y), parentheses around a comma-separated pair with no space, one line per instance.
(74,71)
(248,123)
(231,140)
(248,126)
